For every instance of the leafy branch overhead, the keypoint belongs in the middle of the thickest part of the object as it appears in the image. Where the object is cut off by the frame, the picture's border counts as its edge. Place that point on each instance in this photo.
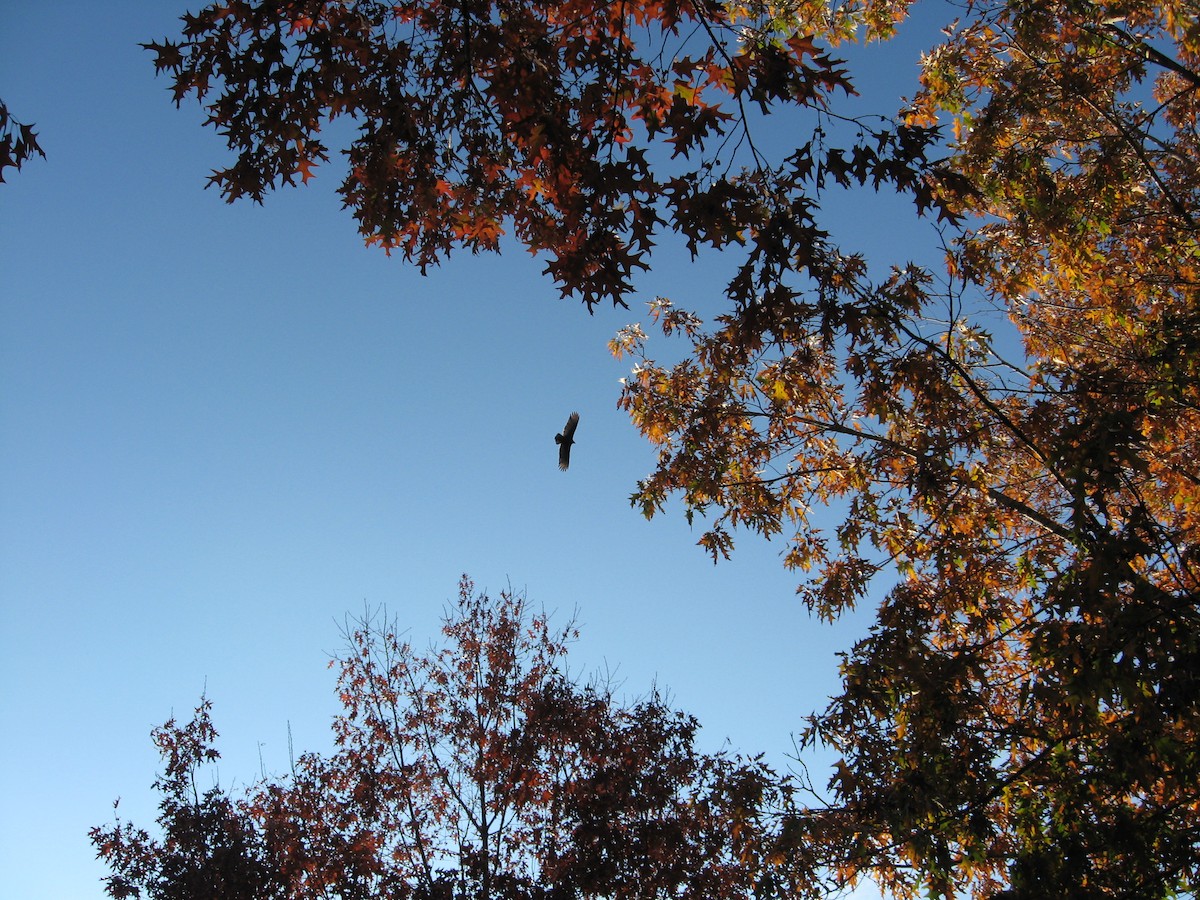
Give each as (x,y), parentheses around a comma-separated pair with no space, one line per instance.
(583,127)
(18,142)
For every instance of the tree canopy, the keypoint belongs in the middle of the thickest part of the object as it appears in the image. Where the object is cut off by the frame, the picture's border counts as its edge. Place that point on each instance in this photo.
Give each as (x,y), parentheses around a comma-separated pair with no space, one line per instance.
(582,127)
(1025,715)
(475,770)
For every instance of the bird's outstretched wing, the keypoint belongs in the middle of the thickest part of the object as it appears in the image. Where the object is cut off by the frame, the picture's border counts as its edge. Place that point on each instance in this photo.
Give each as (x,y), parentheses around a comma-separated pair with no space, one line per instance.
(565,440)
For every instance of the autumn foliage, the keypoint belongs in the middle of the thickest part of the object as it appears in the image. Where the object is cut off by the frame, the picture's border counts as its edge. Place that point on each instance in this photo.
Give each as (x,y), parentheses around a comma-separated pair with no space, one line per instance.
(477,770)
(1009,433)
(582,128)
(1025,715)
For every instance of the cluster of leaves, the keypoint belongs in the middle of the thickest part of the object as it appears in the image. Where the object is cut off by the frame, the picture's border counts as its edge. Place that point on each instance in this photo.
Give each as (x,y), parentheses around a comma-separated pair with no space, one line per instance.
(18,142)
(1025,714)
(475,771)
(477,117)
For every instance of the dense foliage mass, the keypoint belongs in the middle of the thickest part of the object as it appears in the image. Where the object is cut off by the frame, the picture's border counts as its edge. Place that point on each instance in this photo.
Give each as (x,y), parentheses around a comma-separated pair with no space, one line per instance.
(1025,716)
(541,119)
(476,771)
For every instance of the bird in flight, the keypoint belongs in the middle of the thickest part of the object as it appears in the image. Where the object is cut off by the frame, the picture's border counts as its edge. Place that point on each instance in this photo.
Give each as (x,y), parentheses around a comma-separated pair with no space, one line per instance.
(565,440)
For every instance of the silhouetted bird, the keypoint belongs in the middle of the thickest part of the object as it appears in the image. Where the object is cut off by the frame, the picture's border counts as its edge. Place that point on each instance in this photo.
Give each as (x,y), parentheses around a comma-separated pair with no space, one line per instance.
(565,440)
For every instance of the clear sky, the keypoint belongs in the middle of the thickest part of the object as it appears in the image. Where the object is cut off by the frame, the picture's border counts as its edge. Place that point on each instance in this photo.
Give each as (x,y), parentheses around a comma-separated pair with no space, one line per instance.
(223,429)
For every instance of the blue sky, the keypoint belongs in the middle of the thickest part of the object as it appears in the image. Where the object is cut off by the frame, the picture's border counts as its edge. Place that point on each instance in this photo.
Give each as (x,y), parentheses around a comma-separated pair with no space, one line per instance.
(223,429)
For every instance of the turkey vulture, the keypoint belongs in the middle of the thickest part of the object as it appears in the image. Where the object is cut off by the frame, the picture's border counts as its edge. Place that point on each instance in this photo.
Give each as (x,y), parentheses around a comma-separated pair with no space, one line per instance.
(565,440)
